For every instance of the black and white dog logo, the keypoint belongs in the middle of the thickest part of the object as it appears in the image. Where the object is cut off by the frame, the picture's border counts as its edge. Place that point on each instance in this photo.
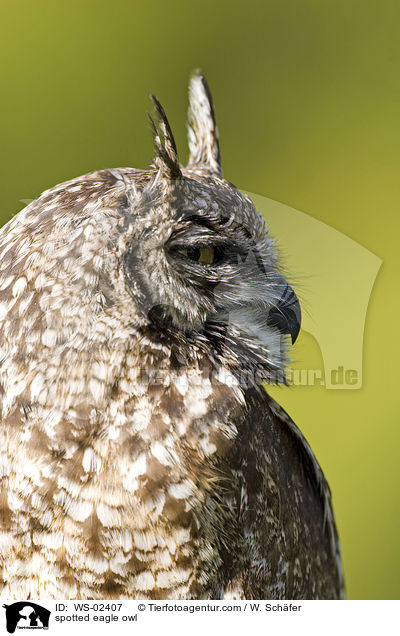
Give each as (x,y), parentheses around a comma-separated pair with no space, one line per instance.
(26,615)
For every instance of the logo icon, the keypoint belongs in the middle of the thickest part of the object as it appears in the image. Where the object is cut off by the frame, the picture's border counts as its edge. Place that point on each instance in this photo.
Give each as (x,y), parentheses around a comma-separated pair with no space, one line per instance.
(26,615)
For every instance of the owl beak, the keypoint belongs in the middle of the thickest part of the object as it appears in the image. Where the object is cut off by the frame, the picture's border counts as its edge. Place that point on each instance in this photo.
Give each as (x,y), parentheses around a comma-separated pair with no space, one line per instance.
(286,313)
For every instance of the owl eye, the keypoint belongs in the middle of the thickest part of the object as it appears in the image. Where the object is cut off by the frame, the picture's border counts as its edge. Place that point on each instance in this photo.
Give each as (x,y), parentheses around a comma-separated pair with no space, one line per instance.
(204,255)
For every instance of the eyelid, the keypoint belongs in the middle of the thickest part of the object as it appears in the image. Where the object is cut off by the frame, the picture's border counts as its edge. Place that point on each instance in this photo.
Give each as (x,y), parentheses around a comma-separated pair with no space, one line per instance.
(199,221)
(184,244)
(200,237)
(192,235)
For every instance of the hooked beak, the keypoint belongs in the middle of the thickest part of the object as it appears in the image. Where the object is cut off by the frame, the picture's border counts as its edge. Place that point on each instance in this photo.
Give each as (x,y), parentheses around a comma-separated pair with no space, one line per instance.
(286,313)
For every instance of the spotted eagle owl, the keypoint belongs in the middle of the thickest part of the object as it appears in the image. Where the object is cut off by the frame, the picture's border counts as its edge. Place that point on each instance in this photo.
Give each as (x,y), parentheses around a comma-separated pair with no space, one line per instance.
(141,311)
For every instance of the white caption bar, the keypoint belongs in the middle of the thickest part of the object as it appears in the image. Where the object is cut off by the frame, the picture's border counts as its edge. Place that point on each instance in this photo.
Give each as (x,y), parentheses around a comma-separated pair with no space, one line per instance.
(175,617)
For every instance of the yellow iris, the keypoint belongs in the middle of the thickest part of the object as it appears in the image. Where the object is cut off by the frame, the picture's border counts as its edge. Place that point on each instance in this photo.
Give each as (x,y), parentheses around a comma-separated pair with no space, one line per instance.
(205,255)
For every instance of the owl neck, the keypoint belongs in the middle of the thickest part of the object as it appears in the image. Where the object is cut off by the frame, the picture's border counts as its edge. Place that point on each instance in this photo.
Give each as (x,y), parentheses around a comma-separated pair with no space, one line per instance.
(125,391)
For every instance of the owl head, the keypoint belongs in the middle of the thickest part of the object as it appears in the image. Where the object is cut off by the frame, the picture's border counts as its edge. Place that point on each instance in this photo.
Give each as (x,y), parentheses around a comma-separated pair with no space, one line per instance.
(206,269)
(171,259)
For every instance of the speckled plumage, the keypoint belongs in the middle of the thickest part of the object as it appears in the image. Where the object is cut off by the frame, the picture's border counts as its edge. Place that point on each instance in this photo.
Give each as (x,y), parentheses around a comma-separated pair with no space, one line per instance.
(139,456)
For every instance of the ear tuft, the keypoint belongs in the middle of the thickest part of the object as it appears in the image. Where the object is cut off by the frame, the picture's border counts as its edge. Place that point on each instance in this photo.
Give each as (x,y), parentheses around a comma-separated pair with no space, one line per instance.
(166,156)
(202,125)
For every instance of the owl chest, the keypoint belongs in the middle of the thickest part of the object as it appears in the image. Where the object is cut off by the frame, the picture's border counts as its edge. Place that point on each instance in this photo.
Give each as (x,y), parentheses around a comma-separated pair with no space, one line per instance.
(127,511)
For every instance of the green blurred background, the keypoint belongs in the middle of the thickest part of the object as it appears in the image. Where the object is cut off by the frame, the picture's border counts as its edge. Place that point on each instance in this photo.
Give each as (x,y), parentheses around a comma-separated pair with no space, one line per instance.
(308,99)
